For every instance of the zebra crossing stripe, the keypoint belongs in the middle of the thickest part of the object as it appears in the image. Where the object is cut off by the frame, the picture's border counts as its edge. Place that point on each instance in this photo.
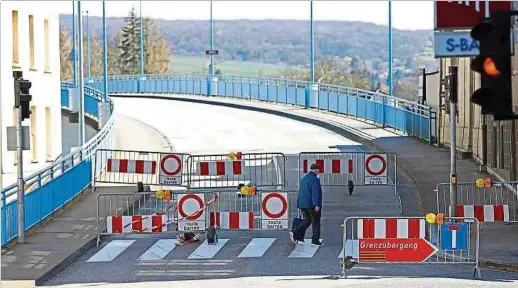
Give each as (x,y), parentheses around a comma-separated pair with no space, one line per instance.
(111,251)
(206,251)
(159,250)
(256,248)
(304,250)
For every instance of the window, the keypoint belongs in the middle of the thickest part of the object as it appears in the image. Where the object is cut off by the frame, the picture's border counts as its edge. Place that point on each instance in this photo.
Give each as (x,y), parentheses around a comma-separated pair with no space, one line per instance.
(34,133)
(15,39)
(46,44)
(48,133)
(31,42)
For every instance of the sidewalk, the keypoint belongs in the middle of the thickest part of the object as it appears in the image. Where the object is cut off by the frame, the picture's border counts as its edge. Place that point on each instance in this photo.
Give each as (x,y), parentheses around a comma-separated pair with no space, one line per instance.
(422,166)
(72,231)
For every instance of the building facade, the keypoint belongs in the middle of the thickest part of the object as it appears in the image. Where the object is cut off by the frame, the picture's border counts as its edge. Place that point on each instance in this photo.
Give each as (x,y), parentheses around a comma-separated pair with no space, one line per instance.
(490,143)
(30,43)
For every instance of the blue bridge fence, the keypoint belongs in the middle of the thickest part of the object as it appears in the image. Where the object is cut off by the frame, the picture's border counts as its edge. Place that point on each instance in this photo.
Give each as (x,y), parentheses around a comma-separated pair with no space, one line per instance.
(53,187)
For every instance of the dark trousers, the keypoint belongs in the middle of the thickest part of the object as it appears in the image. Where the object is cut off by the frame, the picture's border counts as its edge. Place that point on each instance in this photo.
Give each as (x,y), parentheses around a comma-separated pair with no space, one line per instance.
(311,217)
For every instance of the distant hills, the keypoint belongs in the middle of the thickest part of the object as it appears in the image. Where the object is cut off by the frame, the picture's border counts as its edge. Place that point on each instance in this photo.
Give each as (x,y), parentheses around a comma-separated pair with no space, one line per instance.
(287,41)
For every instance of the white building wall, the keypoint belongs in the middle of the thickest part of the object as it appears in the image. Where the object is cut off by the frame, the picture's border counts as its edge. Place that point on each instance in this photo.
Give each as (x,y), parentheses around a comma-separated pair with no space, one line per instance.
(45,89)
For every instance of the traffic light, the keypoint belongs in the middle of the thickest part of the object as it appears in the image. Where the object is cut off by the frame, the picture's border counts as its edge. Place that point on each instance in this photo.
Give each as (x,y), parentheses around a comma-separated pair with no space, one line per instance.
(22,98)
(494,65)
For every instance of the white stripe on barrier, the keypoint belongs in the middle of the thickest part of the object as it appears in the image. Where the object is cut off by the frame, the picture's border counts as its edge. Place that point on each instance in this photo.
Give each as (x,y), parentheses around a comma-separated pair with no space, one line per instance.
(489,213)
(148,167)
(402,228)
(126,224)
(132,167)
(379,228)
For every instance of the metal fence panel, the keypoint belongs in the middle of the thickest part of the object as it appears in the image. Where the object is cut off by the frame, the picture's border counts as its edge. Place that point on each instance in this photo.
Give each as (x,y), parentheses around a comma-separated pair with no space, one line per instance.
(131,167)
(410,240)
(497,203)
(251,169)
(362,168)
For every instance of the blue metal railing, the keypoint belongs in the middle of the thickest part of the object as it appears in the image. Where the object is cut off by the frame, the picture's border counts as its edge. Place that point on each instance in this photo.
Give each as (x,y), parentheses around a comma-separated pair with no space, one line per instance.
(387,111)
(54,186)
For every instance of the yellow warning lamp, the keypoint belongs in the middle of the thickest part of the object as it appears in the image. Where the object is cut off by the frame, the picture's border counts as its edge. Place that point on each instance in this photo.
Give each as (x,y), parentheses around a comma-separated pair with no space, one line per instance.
(245,190)
(232,156)
(488,183)
(160,194)
(430,218)
(480,182)
(440,219)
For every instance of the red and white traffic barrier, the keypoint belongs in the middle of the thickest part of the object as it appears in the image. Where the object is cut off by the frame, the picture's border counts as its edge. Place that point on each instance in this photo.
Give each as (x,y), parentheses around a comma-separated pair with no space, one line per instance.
(136,223)
(131,166)
(232,220)
(484,213)
(331,166)
(391,228)
(220,168)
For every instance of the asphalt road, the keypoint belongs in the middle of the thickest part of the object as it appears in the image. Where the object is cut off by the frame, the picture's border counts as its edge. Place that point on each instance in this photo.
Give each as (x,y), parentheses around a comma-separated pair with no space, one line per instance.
(145,260)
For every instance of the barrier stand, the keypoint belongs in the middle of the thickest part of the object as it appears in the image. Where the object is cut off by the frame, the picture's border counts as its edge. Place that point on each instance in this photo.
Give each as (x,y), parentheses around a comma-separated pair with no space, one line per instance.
(434,239)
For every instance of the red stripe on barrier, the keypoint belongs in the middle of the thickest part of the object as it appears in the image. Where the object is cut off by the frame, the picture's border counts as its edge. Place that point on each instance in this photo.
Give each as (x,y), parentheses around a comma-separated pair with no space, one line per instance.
(233,220)
(153,167)
(237,167)
(109,169)
(499,213)
(156,222)
(335,166)
(413,228)
(116,224)
(214,219)
(460,211)
(123,165)
(220,168)
(350,165)
(251,220)
(391,228)
(368,228)
(305,165)
(320,162)
(204,168)
(479,212)
(136,223)
(139,166)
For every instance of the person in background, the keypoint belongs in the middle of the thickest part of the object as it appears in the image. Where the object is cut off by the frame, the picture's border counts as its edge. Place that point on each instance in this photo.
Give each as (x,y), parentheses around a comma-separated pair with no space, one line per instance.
(309,201)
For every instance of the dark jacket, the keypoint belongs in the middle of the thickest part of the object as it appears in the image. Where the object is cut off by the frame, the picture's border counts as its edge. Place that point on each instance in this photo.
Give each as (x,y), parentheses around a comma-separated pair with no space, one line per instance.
(310,192)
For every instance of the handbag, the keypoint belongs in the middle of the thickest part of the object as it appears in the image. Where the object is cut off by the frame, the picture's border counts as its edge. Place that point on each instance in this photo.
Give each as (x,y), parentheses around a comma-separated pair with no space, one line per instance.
(296,222)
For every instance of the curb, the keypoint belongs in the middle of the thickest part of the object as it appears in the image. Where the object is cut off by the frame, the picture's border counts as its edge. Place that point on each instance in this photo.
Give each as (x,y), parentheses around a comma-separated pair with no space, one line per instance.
(498,265)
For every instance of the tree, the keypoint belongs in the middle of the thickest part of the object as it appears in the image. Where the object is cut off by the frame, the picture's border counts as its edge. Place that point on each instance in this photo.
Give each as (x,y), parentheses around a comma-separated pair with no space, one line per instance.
(65,47)
(157,51)
(406,88)
(130,44)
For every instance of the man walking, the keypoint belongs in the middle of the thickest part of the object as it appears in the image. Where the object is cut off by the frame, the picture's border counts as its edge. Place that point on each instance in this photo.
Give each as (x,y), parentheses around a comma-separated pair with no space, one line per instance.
(309,201)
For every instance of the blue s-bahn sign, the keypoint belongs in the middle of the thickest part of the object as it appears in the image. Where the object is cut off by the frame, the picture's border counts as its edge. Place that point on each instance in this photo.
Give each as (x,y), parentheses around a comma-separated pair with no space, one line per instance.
(455,44)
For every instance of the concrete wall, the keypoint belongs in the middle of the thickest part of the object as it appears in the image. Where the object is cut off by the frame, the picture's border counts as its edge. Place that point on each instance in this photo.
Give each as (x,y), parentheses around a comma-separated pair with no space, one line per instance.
(45,91)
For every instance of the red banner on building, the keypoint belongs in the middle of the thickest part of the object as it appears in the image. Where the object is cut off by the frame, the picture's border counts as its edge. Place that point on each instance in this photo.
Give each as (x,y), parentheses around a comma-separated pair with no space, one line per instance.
(465,14)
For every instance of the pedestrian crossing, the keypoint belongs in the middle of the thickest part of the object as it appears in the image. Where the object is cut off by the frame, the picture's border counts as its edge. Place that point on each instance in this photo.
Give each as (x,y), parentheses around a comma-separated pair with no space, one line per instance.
(161,248)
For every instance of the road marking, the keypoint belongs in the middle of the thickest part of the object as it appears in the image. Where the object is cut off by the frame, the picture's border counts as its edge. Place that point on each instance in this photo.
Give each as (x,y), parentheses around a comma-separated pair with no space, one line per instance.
(304,250)
(110,251)
(206,251)
(256,248)
(159,250)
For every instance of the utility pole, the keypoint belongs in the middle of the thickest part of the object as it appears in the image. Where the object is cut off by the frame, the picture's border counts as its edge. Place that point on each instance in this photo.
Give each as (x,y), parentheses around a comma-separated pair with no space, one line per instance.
(22,99)
(88,44)
(81,100)
(453,147)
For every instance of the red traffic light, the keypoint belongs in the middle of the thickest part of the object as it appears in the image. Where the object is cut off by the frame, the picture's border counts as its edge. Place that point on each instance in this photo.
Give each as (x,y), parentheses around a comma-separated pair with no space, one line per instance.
(490,67)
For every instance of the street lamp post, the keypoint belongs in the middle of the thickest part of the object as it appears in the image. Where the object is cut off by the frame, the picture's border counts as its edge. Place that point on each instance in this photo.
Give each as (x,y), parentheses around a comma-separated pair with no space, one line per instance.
(81,98)
(88,44)
(391,87)
(105,54)
(141,44)
(74,55)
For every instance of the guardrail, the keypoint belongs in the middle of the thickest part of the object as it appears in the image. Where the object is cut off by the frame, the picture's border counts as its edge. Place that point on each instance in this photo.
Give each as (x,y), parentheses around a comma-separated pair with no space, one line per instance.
(45,189)
(386,111)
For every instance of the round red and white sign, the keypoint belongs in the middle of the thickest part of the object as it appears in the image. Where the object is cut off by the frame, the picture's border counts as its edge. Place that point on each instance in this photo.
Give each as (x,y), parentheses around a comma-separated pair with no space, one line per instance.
(170,165)
(190,206)
(274,206)
(376,164)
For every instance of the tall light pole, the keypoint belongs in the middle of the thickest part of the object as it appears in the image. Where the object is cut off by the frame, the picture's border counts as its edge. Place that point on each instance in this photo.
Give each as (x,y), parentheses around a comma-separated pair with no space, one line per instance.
(88,44)
(74,42)
(211,43)
(81,112)
(141,43)
(105,54)
(311,44)
(391,86)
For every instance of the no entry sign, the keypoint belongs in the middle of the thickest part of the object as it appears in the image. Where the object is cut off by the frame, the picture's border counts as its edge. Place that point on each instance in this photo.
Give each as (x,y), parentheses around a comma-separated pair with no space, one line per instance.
(170,169)
(375,169)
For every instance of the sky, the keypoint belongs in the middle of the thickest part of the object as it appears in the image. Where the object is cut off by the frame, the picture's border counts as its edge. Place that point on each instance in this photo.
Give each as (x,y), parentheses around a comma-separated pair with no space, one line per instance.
(405,14)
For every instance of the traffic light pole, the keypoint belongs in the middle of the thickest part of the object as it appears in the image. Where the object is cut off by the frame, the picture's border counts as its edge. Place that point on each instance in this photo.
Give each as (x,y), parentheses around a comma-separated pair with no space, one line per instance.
(19,149)
(453,137)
